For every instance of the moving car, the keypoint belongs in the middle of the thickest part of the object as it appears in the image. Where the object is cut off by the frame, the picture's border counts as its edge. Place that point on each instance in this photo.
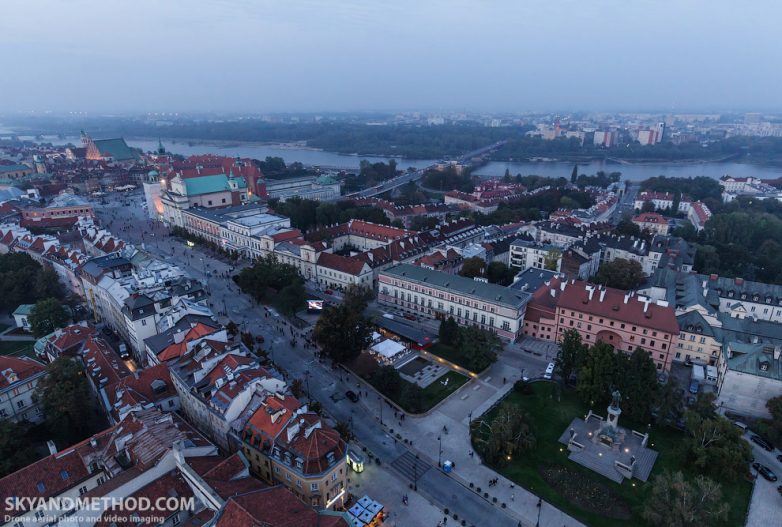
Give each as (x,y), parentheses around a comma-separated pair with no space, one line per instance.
(762,443)
(350,394)
(764,471)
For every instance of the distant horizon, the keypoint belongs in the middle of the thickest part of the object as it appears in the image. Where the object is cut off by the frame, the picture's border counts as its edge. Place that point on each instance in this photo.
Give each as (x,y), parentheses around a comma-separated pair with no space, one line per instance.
(504,56)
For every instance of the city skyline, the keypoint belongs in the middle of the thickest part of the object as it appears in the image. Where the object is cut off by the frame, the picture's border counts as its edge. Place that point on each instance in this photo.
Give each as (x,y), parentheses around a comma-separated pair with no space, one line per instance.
(304,56)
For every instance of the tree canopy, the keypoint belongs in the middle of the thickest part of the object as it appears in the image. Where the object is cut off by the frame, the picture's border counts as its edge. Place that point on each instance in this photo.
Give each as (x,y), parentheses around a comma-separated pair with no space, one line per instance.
(342,331)
(508,434)
(621,274)
(46,316)
(64,398)
(269,280)
(677,502)
(25,281)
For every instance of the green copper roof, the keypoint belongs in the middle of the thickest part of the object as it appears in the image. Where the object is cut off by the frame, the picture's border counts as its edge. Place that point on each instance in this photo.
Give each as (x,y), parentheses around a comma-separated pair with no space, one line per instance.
(197,186)
(116,148)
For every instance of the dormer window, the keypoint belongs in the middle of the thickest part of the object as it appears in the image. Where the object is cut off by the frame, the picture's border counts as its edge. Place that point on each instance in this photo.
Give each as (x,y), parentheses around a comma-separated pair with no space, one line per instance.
(40,486)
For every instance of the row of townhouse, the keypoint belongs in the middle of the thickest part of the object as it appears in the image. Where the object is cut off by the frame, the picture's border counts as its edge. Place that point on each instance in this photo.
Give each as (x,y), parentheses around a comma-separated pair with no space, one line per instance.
(370,247)
(19,377)
(131,292)
(146,456)
(224,392)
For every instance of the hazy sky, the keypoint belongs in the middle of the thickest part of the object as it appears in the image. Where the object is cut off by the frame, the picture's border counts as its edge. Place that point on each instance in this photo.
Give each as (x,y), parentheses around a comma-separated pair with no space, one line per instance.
(343,55)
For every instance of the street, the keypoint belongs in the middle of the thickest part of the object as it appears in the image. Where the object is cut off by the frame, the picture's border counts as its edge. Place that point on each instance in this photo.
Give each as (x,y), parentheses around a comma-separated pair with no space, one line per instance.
(445,491)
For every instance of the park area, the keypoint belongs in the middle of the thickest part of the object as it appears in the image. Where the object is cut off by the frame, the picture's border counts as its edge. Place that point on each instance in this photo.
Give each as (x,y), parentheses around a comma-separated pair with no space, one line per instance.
(409,396)
(591,498)
(14,348)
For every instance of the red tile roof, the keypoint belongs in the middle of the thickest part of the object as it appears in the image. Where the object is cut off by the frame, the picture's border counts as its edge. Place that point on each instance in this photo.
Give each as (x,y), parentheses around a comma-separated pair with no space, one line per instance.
(613,306)
(311,440)
(270,418)
(18,369)
(178,349)
(349,265)
(273,507)
(102,362)
(650,217)
(138,387)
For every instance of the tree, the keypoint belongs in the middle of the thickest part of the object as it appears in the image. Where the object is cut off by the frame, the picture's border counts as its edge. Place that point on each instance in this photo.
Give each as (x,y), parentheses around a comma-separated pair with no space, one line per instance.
(676,502)
(636,378)
(621,274)
(290,298)
(343,429)
(386,380)
(596,376)
(472,267)
(626,227)
(478,348)
(668,402)
(449,331)
(231,328)
(16,450)
(342,332)
(677,199)
(772,428)
(499,273)
(714,445)
(46,316)
(508,434)
(574,174)
(248,340)
(571,353)
(551,260)
(64,398)
(297,387)
(411,398)
(648,206)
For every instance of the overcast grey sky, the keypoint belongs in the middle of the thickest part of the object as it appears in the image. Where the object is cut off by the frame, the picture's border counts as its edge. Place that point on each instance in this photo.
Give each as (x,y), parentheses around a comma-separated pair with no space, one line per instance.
(343,55)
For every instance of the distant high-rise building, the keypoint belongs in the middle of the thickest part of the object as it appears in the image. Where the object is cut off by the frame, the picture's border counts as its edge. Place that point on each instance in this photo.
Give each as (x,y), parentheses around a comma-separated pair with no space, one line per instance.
(659,131)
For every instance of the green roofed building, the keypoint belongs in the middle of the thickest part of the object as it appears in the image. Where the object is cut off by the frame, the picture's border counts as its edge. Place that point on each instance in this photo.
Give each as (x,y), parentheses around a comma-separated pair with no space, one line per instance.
(108,149)
(212,191)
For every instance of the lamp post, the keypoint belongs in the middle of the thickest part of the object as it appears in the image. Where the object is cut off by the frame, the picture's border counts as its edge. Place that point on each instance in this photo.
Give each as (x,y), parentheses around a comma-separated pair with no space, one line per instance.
(540,506)
(415,474)
(469,420)
(307,376)
(380,403)
(440,452)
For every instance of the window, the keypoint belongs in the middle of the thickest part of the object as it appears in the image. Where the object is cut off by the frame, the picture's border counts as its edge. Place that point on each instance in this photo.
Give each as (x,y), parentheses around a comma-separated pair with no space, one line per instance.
(40,487)
(20,404)
(334,477)
(175,519)
(82,490)
(313,486)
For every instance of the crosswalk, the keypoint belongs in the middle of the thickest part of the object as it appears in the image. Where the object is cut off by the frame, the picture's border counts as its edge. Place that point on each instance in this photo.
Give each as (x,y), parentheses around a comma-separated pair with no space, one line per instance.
(409,466)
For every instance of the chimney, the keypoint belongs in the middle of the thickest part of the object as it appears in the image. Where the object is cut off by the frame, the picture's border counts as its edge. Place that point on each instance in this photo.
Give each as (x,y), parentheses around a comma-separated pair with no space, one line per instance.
(627,297)
(136,374)
(52,447)
(602,294)
(646,304)
(553,293)
(739,281)
(179,336)
(591,290)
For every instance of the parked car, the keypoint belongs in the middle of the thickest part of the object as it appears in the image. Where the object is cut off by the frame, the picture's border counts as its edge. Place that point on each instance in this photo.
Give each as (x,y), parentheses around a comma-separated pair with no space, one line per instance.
(762,443)
(764,471)
(408,316)
(329,292)
(123,351)
(259,339)
(779,458)
(779,489)
(694,387)
(350,394)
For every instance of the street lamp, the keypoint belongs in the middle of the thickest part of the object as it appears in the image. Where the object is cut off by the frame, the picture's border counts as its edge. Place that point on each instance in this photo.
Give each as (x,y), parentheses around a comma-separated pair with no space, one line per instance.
(469,420)
(540,506)
(440,452)
(307,376)
(415,474)
(380,403)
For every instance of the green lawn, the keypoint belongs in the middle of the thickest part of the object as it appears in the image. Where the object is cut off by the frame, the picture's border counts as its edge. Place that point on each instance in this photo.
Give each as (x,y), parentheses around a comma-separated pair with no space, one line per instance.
(550,417)
(449,353)
(436,392)
(16,348)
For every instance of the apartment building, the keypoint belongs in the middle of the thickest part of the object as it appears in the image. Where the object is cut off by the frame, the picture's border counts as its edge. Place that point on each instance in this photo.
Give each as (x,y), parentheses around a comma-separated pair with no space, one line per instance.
(287,444)
(18,378)
(435,294)
(527,253)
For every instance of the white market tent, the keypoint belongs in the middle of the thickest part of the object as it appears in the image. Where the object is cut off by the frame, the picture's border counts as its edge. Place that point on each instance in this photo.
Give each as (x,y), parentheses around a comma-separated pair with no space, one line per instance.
(388,349)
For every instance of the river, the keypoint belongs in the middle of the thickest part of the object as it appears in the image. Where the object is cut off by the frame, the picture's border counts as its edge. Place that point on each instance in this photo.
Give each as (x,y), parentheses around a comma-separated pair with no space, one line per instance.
(292,153)
(631,172)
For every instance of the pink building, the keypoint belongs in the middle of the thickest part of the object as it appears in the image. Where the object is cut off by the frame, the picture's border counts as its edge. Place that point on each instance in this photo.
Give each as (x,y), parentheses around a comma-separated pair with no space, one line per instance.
(600,314)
